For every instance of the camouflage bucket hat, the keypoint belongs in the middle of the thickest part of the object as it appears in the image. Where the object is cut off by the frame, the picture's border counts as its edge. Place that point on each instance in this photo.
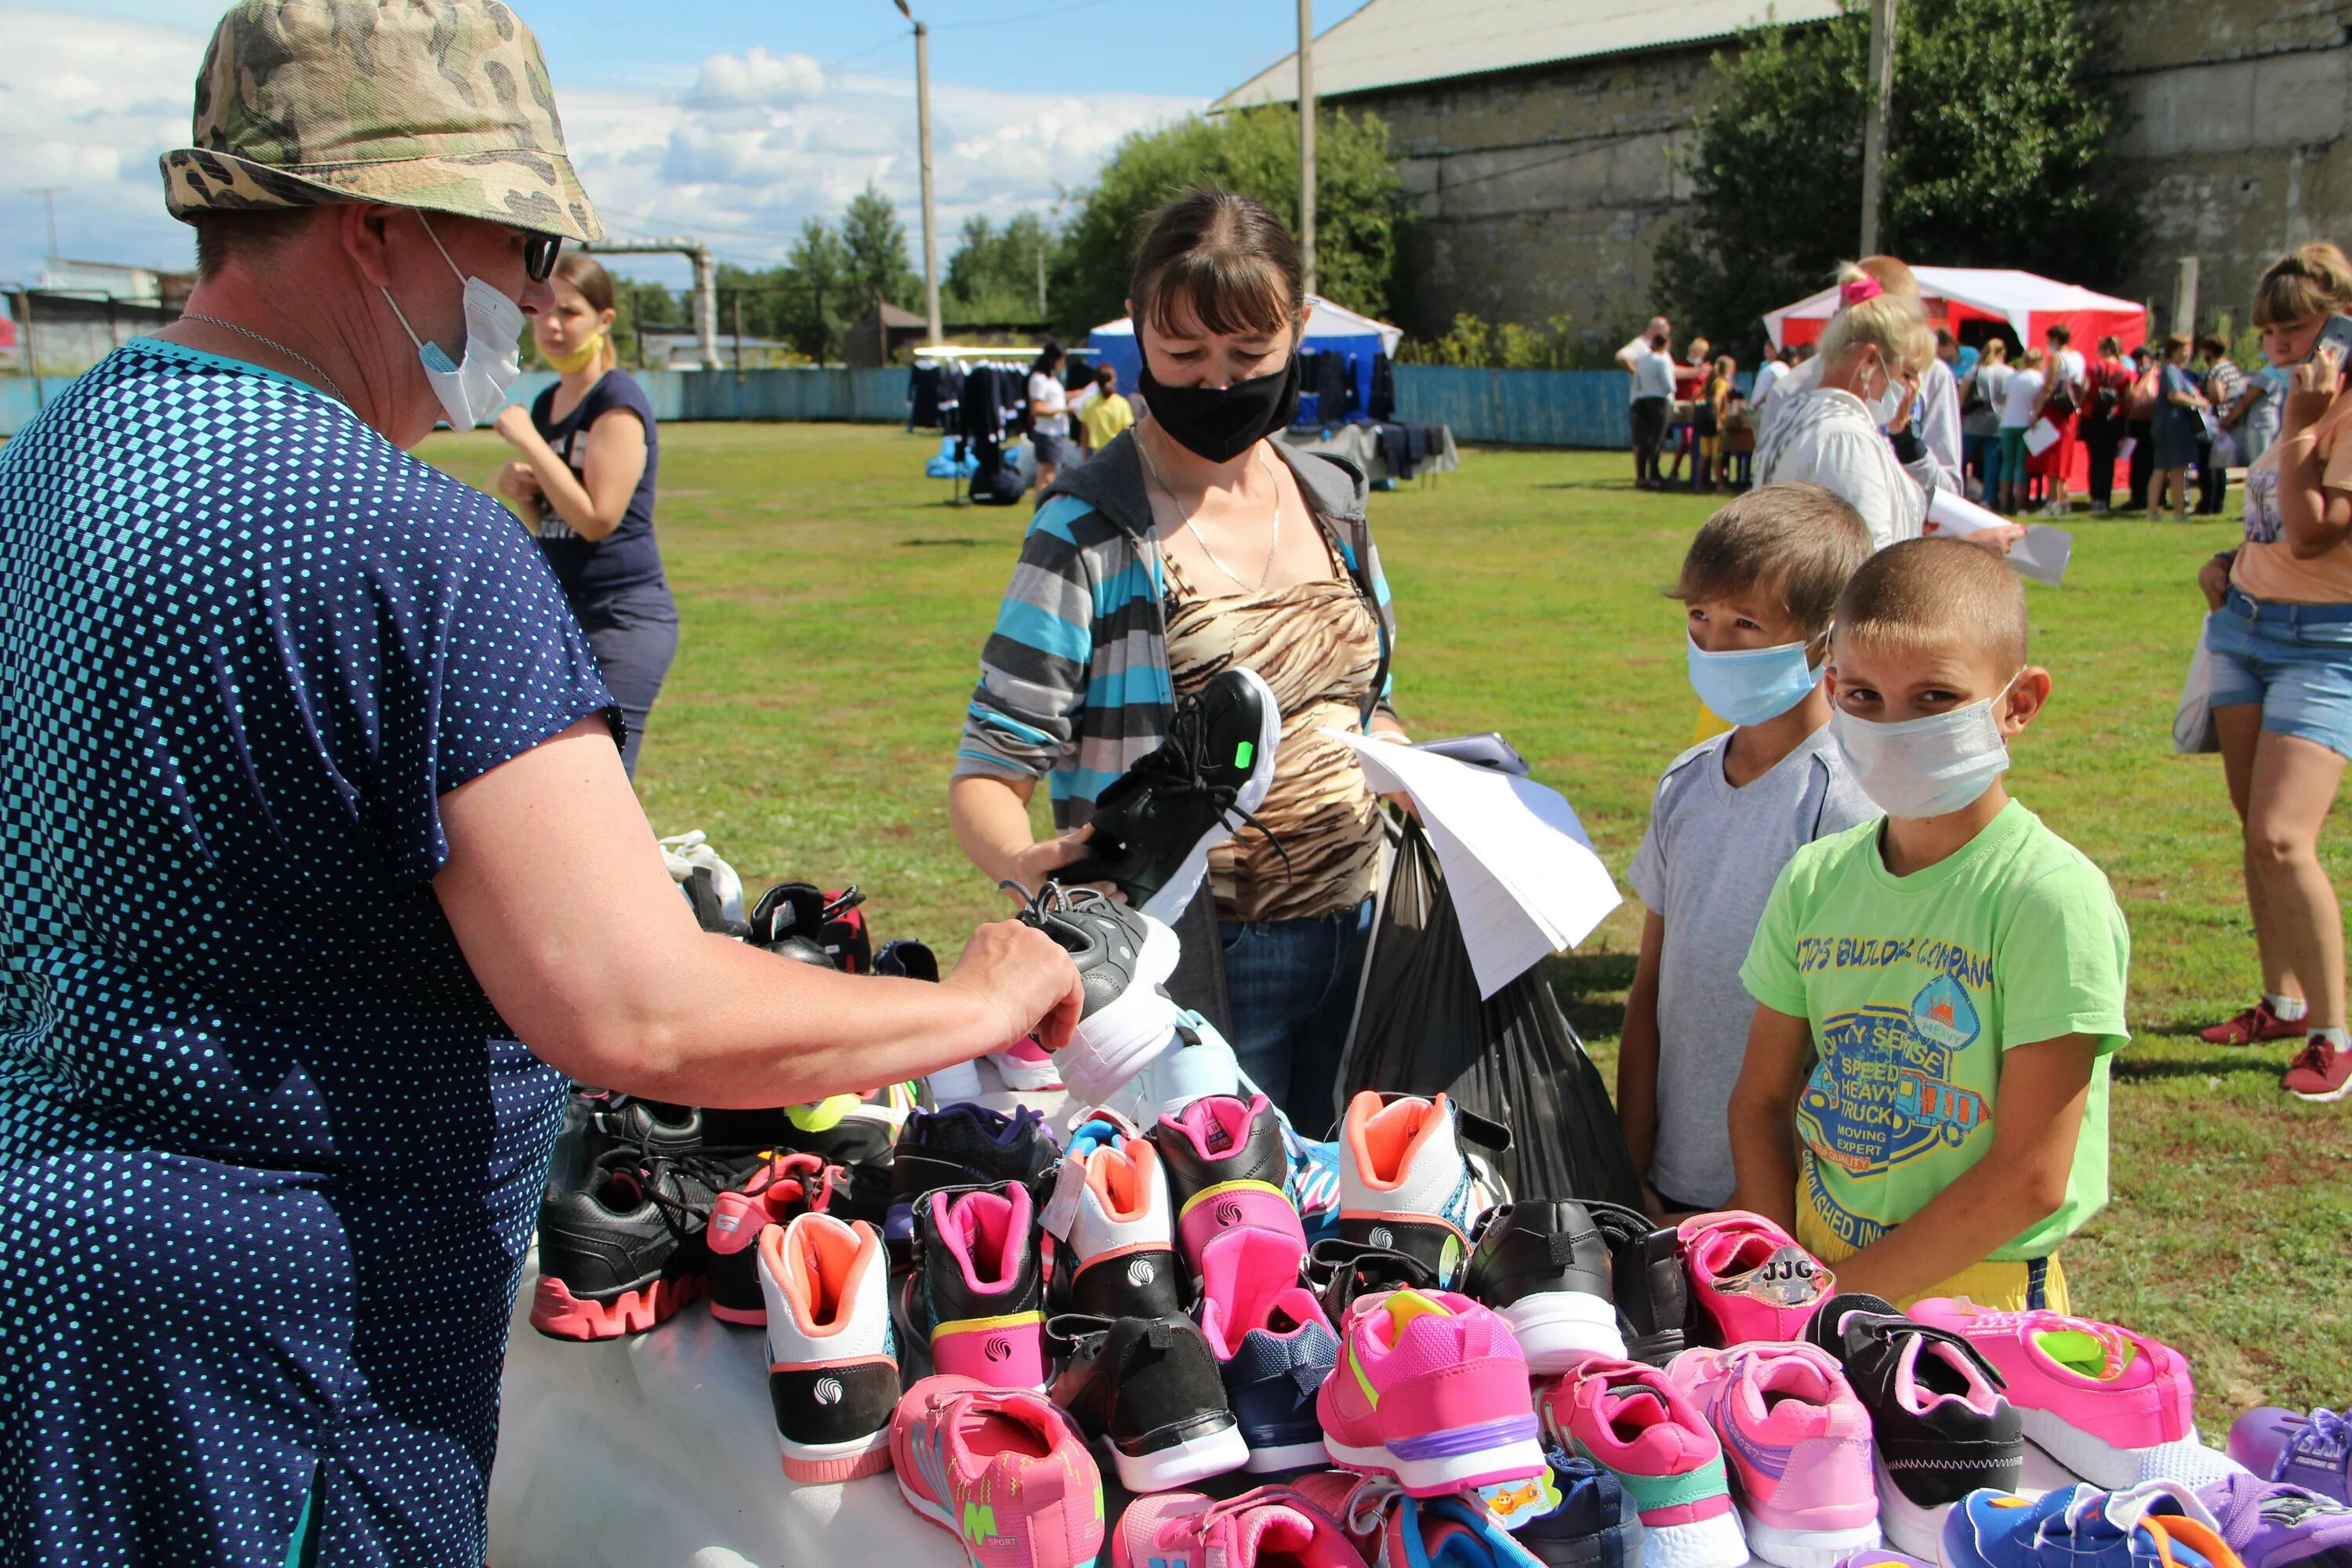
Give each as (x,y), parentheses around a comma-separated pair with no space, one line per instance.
(438,104)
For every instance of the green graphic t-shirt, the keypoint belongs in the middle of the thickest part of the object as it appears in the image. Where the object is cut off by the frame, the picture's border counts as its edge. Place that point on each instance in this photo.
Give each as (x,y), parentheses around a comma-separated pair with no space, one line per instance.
(1914,986)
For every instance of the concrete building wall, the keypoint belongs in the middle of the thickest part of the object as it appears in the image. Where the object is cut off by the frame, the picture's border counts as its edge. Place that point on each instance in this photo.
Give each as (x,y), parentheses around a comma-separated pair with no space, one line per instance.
(2239,145)
(1545,190)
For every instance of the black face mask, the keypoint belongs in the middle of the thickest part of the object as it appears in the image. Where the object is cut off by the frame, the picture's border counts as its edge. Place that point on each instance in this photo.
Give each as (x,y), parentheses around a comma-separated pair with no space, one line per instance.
(1221,422)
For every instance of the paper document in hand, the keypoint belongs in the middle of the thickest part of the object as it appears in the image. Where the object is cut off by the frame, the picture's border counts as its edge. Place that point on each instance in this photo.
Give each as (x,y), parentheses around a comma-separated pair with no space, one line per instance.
(1959,516)
(1525,879)
(2041,436)
(2043,553)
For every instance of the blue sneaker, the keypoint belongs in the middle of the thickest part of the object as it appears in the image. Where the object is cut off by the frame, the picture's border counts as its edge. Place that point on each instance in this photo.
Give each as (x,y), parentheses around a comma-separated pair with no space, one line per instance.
(2158,1524)
(1591,1526)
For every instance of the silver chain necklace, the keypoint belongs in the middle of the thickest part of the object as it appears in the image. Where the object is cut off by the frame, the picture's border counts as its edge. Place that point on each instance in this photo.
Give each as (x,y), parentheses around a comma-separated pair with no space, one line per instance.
(1273,546)
(302,359)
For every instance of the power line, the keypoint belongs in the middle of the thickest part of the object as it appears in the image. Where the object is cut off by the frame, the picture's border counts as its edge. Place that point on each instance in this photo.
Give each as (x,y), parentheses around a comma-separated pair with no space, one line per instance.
(1025,16)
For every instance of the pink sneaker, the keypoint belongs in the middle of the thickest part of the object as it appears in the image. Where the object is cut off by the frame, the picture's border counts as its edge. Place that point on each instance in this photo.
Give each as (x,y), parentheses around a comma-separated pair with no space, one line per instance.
(1005,1472)
(1634,1423)
(1431,1388)
(1271,1522)
(1027,1067)
(2091,1395)
(1799,1442)
(1752,1280)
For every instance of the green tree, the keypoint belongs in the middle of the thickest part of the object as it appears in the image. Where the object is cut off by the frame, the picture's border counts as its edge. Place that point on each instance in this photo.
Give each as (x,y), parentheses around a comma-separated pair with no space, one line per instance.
(1358,206)
(992,275)
(1997,156)
(822,300)
(874,246)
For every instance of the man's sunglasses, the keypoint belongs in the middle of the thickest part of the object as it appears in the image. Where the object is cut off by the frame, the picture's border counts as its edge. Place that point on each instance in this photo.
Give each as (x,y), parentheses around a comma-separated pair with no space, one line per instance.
(538,252)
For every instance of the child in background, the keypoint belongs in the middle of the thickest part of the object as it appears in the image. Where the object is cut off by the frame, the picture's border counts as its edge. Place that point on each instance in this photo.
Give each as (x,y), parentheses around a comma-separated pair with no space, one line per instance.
(1925,1098)
(2020,398)
(1757,587)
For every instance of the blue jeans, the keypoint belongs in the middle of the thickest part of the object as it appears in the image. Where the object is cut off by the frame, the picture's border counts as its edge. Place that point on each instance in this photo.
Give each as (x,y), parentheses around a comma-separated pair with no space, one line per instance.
(634,632)
(1292,985)
(1982,454)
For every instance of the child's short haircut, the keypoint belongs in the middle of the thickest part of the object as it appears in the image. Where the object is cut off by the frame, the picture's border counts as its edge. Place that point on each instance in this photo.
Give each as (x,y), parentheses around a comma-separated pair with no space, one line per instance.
(1931,593)
(1798,541)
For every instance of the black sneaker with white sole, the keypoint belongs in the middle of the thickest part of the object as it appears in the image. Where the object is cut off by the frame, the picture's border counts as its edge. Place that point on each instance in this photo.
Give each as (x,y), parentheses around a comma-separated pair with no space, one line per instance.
(1156,822)
(1940,1426)
(1655,1310)
(1544,1267)
(1338,1270)
(1122,955)
(1147,1391)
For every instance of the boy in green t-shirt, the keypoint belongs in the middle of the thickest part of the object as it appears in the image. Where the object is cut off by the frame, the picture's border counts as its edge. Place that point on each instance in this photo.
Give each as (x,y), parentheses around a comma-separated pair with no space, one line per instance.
(1924,1100)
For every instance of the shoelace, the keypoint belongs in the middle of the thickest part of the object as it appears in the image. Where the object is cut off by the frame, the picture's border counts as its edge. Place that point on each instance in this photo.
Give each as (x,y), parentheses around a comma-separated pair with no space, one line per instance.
(1182,761)
(2317,1055)
(2332,1428)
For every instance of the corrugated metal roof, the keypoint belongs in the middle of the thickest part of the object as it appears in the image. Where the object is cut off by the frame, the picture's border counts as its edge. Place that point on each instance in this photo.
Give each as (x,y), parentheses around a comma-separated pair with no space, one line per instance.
(1391,42)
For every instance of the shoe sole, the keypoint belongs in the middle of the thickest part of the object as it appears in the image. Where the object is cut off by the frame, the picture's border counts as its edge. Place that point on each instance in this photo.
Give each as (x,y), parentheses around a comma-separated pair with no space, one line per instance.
(2329,1098)
(1699,1543)
(2086,1454)
(1559,1329)
(1515,1461)
(817,1463)
(1215,1453)
(1908,1528)
(1803,1548)
(1177,892)
(556,1312)
(1027,1077)
(1126,1036)
(1284,1458)
(939,1516)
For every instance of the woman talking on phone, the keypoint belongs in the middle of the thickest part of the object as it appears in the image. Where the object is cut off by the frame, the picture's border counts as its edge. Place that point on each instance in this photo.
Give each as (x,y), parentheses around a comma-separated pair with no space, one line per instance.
(589,455)
(2281,640)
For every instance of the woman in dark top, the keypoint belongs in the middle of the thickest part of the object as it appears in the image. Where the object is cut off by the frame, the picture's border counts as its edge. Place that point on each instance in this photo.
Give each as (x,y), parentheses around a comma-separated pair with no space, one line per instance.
(589,451)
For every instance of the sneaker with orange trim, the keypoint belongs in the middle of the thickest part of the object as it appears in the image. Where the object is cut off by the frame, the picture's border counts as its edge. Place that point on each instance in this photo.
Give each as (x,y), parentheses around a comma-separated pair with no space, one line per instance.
(625,1251)
(777,1192)
(1111,1216)
(1405,1183)
(1005,1472)
(833,1362)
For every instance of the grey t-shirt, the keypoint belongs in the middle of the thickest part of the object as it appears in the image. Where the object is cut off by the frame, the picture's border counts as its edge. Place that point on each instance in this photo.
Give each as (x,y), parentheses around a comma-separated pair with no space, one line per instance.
(1706,867)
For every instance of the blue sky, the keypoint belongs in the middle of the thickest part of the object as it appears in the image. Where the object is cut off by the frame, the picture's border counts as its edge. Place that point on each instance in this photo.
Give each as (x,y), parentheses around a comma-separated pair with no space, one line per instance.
(734,121)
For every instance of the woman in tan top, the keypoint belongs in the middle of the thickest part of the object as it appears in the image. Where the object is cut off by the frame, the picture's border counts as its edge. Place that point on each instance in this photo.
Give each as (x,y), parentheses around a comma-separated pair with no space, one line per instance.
(2281,640)
(1192,542)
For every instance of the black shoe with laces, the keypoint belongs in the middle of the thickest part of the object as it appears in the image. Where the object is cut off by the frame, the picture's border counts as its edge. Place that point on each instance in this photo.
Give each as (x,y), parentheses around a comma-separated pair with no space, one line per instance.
(1122,955)
(962,1146)
(1655,1311)
(1940,1426)
(801,920)
(1147,1391)
(1543,1266)
(1338,1270)
(1156,822)
(597,1120)
(626,1250)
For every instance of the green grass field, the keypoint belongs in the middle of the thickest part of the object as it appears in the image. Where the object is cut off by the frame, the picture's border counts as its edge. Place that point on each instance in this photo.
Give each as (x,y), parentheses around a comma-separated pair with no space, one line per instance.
(833,611)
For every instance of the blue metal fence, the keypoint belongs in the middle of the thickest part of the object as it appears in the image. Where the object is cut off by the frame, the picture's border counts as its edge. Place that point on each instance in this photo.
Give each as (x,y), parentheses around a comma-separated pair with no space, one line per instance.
(1519,408)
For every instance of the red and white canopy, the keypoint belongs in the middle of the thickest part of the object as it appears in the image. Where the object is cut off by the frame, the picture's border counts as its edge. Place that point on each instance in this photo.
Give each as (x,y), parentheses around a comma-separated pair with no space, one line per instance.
(2026,303)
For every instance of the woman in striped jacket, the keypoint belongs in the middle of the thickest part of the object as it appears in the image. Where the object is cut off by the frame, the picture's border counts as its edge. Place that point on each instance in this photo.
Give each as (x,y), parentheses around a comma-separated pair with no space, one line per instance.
(1164,560)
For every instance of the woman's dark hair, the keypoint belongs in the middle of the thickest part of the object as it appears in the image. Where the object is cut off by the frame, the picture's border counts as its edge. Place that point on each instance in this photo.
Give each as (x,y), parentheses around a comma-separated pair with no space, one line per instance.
(2111,347)
(1048,359)
(2176,343)
(2059,332)
(2212,345)
(587,274)
(1216,260)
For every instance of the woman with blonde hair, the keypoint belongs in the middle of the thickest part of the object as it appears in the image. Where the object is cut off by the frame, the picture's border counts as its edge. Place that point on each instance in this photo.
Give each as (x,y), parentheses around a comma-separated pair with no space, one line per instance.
(2281,640)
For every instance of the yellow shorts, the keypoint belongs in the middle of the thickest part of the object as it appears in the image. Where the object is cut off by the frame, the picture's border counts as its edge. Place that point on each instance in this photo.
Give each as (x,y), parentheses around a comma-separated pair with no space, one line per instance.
(2004,1287)
(1709,723)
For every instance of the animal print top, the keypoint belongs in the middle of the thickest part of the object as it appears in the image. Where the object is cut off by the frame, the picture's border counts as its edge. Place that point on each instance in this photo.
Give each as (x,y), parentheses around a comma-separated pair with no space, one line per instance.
(1317,646)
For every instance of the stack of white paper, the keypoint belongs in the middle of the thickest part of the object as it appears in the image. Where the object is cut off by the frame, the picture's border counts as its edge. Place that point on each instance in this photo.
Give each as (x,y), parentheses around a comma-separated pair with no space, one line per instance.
(1524,877)
(2041,555)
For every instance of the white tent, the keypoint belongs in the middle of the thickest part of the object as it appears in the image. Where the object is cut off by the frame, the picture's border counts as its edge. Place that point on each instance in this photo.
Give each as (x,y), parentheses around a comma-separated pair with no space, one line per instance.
(2028,303)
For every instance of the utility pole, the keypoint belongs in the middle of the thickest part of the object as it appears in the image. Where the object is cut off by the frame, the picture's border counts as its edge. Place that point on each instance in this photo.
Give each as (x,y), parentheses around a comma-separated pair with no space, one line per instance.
(1041,277)
(923,136)
(1307,140)
(48,195)
(1874,125)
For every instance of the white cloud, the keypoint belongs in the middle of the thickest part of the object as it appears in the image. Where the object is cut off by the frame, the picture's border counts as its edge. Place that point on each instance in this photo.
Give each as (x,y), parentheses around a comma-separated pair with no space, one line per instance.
(740,152)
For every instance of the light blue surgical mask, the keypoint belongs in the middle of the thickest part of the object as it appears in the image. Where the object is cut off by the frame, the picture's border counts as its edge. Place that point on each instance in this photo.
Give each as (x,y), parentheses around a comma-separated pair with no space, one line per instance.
(1751,685)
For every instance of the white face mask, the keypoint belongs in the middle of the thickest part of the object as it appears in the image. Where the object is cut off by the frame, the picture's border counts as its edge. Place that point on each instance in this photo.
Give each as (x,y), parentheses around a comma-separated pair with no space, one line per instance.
(470,393)
(1888,402)
(1925,767)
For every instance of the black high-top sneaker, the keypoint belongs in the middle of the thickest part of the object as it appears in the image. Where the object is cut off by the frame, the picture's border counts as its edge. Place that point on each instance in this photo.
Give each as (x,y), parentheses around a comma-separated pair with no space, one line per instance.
(1544,1267)
(626,1250)
(1148,1392)
(1338,1271)
(1227,1167)
(1122,955)
(976,1295)
(1655,1310)
(962,1146)
(1156,822)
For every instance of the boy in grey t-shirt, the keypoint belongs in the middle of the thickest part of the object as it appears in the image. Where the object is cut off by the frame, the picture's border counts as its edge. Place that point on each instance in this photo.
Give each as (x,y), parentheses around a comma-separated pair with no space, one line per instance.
(1757,587)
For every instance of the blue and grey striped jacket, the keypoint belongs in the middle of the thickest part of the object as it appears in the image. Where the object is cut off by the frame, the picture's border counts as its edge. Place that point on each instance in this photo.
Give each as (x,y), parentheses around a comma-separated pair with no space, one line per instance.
(1073,683)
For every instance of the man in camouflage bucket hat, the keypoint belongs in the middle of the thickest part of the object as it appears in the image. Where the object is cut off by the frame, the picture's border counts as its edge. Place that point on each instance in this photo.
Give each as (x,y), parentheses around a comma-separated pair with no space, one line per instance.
(443,105)
(309,812)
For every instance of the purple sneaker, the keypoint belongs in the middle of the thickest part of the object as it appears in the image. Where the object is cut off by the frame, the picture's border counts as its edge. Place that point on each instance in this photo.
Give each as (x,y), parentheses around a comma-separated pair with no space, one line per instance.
(2311,1451)
(2270,1524)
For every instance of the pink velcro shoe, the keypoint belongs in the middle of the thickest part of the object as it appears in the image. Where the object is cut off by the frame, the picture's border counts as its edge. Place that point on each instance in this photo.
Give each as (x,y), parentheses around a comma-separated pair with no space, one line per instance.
(1798,1446)
(1005,1472)
(1750,1278)
(2091,1395)
(1431,1388)
(1632,1421)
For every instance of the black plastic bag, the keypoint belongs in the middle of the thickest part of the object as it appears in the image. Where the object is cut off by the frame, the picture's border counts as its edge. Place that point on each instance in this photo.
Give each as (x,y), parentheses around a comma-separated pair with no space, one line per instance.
(1422,1028)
